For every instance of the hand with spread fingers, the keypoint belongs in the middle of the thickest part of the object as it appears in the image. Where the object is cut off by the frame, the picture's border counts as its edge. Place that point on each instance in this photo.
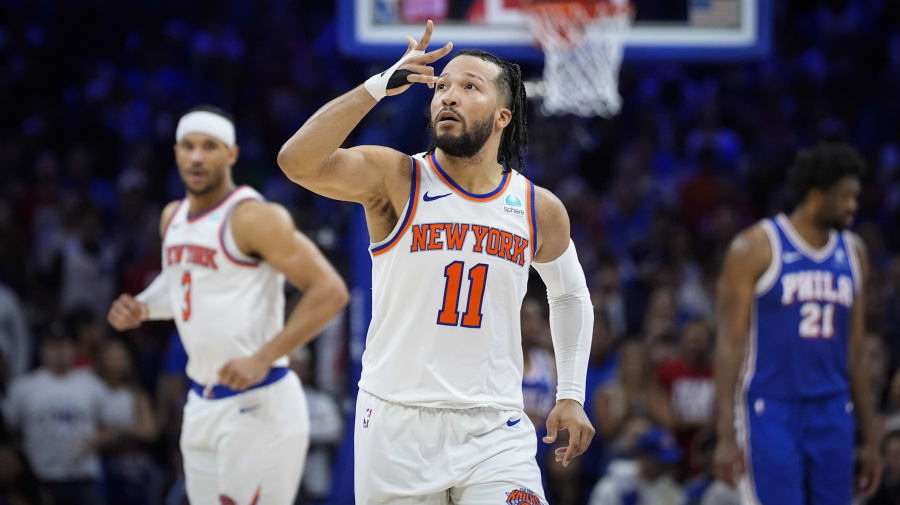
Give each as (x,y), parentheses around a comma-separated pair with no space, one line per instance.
(413,67)
(569,415)
(127,313)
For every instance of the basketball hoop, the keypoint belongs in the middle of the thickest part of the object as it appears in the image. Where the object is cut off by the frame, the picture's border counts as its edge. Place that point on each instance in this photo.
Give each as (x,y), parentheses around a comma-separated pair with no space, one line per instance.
(582,42)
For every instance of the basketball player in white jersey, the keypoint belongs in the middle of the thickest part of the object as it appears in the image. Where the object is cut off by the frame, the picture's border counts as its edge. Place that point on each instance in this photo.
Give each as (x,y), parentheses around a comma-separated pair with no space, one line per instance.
(454,232)
(226,253)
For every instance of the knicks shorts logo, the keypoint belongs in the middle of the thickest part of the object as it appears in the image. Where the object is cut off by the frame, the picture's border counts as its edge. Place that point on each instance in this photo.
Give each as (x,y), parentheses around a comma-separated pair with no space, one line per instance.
(367,418)
(522,496)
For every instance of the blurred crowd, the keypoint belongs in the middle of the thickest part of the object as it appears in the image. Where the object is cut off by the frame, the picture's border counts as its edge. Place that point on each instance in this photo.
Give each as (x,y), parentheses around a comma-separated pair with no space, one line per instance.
(90,91)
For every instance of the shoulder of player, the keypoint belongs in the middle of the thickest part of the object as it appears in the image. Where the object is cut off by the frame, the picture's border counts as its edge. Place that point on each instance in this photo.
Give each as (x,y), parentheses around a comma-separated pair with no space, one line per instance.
(167,214)
(750,249)
(856,242)
(549,209)
(859,247)
(251,216)
(553,225)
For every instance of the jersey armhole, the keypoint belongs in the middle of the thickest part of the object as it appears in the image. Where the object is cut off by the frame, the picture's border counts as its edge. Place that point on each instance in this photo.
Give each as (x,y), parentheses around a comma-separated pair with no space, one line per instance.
(850,245)
(228,244)
(410,211)
(172,218)
(768,278)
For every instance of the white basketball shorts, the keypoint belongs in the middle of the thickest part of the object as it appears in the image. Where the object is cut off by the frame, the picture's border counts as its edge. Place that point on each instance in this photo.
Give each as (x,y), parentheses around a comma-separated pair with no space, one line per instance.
(246,449)
(418,455)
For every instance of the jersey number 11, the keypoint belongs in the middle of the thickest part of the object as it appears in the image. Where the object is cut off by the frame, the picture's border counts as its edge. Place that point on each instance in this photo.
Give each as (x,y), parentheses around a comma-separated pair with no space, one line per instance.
(449,315)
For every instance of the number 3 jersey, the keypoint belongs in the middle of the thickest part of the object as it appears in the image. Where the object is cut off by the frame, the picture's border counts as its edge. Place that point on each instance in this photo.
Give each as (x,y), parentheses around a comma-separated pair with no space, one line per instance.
(226,304)
(800,327)
(448,285)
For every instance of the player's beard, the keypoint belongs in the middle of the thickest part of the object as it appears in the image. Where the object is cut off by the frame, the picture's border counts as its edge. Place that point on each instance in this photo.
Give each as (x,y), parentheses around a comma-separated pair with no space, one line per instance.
(839,222)
(468,143)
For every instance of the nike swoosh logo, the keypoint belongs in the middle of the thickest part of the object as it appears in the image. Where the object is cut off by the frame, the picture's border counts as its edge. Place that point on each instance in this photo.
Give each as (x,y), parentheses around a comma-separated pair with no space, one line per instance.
(791,257)
(513,423)
(249,409)
(432,198)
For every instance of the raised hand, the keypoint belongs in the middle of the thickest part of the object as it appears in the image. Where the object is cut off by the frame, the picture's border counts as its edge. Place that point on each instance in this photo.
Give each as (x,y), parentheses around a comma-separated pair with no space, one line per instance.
(413,67)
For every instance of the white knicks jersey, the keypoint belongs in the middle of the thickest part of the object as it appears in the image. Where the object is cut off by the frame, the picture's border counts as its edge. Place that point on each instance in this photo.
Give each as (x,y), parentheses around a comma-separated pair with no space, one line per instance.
(448,285)
(227,305)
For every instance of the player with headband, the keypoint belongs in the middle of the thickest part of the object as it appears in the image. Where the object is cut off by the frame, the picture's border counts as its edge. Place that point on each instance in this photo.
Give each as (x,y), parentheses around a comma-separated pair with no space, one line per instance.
(454,233)
(226,253)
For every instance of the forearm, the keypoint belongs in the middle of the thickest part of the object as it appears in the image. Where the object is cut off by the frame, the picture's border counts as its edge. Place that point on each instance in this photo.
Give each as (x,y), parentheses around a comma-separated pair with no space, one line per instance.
(156,298)
(306,152)
(729,354)
(316,309)
(571,321)
(861,394)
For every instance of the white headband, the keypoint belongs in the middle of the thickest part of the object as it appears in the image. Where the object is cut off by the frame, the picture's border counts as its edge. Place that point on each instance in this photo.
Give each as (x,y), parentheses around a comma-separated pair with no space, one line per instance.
(209,123)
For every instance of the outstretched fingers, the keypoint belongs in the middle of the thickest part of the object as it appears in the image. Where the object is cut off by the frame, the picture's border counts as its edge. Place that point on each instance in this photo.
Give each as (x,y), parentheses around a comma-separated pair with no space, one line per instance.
(426,37)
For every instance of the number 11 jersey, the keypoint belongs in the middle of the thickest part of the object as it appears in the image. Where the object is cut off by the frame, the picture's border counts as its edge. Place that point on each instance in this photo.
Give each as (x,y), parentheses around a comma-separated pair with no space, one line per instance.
(448,284)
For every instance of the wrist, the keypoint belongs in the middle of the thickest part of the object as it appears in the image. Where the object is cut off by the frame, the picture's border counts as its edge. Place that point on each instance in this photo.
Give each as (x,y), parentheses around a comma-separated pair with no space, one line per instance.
(373,86)
(264,357)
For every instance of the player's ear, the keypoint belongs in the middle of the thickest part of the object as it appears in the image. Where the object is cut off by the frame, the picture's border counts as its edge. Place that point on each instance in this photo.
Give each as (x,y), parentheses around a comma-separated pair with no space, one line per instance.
(504,117)
(233,154)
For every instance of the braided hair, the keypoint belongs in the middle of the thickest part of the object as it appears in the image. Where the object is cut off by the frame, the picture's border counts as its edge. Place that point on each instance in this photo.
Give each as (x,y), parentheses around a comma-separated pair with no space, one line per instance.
(511,93)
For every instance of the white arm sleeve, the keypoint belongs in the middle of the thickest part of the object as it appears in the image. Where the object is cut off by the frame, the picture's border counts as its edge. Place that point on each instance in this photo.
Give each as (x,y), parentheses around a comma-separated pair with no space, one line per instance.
(156,298)
(571,321)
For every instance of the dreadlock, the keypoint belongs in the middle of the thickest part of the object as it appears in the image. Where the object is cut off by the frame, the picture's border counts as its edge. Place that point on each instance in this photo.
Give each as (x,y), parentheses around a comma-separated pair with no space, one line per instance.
(514,141)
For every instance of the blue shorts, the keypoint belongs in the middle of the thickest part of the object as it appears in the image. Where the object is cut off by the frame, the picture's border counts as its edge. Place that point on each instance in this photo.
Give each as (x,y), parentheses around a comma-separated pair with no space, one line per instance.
(797,452)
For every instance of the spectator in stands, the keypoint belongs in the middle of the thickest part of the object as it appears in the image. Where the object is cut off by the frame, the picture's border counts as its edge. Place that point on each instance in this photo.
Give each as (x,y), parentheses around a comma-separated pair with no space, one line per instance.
(90,332)
(648,479)
(131,476)
(326,431)
(634,394)
(688,381)
(60,413)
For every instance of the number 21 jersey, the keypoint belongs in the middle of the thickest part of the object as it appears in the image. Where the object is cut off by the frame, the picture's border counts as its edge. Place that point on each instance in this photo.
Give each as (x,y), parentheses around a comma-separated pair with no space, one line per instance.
(799,336)
(448,285)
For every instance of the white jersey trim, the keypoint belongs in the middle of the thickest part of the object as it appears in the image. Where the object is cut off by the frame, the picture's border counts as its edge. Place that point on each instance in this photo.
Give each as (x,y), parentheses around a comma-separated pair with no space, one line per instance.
(409,211)
(850,245)
(817,255)
(227,242)
(770,276)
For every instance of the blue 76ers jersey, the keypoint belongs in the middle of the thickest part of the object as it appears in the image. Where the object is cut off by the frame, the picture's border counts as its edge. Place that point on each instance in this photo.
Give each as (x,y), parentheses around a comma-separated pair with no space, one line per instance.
(799,335)
(447,290)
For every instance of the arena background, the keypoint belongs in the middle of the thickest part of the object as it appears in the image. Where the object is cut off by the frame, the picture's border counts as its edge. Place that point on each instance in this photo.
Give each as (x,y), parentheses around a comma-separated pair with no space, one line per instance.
(90,92)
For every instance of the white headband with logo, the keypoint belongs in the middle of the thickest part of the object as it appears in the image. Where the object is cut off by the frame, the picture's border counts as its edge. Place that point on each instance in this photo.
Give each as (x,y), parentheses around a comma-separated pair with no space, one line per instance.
(210,123)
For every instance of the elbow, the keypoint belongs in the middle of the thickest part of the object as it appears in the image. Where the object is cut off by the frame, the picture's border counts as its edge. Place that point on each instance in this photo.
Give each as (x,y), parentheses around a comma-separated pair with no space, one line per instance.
(287,162)
(338,296)
(292,164)
(341,294)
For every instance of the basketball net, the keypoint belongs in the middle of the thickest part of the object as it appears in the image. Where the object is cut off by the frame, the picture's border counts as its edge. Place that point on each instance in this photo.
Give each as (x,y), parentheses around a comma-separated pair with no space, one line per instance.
(583,47)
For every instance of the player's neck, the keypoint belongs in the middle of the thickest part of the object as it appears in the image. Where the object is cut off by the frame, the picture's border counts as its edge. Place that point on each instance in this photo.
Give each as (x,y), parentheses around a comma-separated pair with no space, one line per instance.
(200,203)
(479,174)
(804,222)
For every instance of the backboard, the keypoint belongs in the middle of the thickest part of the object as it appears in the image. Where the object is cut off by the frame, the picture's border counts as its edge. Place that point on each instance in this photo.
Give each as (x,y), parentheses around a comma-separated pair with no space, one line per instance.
(713,30)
